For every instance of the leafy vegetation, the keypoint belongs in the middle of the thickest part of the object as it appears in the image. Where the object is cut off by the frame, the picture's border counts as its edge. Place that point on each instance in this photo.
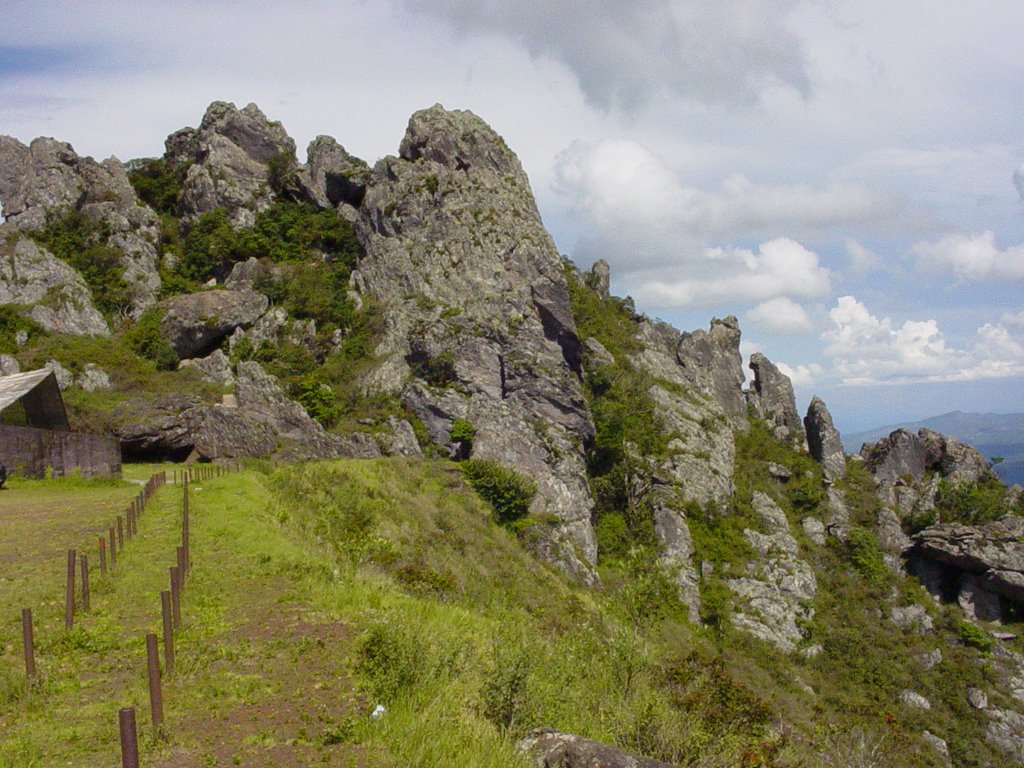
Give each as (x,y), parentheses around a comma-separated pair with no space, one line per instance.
(157,182)
(509,493)
(147,340)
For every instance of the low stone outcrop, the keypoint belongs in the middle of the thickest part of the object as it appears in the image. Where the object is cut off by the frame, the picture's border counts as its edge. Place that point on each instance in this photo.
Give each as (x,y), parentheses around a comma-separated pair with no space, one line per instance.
(548,748)
(215,367)
(823,440)
(228,433)
(195,323)
(238,160)
(154,428)
(777,594)
(61,301)
(980,566)
(1006,731)
(771,395)
(478,322)
(47,175)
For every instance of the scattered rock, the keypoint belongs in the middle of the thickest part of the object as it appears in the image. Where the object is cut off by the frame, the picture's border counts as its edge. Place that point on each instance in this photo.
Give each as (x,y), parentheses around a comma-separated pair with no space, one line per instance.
(1006,731)
(61,301)
(977,698)
(548,748)
(815,530)
(215,367)
(823,440)
(777,596)
(930,659)
(939,745)
(779,472)
(913,617)
(92,378)
(914,700)
(1011,666)
(9,365)
(771,395)
(64,377)
(195,323)
(595,354)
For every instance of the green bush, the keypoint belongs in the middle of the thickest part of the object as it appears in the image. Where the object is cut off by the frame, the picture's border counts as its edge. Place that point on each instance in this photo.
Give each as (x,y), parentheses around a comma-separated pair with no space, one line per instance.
(317,397)
(12,321)
(974,637)
(157,182)
(982,501)
(509,493)
(866,555)
(147,340)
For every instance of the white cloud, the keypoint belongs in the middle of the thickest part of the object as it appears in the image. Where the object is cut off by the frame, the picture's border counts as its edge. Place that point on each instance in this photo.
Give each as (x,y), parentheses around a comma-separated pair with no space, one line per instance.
(802,375)
(863,261)
(976,258)
(620,183)
(624,52)
(780,267)
(871,350)
(781,315)
(1018,180)
(1013,319)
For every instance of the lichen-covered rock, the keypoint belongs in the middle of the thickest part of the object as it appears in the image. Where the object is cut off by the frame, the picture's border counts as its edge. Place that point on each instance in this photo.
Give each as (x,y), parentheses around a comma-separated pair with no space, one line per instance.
(335,178)
(712,365)
(601,278)
(228,433)
(548,748)
(1006,731)
(771,395)
(912,617)
(92,378)
(776,596)
(9,365)
(195,323)
(983,559)
(64,377)
(815,530)
(238,157)
(914,700)
(61,301)
(215,367)
(823,440)
(48,175)
(478,322)
(399,439)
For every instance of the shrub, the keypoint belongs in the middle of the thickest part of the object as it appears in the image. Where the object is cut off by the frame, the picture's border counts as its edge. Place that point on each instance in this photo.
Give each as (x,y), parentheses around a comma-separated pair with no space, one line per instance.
(148,341)
(157,182)
(316,397)
(509,493)
(12,321)
(982,501)
(974,637)
(866,555)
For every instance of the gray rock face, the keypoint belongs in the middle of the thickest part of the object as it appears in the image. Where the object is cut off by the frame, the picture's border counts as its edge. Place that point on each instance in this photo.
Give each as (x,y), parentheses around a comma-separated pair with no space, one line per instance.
(61,300)
(400,439)
(985,561)
(771,395)
(1006,731)
(912,617)
(823,440)
(92,378)
(215,367)
(908,456)
(231,153)
(601,278)
(228,433)
(336,178)
(712,365)
(259,395)
(48,175)
(64,377)
(148,428)
(548,748)
(478,323)
(9,365)
(195,323)
(780,588)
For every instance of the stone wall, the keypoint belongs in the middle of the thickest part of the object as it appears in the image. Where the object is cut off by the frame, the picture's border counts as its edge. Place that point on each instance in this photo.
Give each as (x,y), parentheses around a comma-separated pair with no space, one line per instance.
(30,452)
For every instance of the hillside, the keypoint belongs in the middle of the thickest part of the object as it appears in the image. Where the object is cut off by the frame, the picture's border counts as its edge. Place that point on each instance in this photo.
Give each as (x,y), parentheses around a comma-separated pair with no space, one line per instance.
(479,490)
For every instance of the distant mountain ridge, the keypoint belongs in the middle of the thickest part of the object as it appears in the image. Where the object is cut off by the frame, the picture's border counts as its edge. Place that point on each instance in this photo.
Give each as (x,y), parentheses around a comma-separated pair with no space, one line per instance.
(994,434)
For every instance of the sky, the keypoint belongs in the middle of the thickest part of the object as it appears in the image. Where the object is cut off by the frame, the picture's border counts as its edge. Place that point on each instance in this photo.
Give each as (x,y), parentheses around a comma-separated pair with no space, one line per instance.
(844,176)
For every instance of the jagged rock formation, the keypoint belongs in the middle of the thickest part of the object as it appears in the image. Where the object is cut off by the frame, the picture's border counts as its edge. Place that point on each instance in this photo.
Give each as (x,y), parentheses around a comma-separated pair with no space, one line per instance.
(48,175)
(712,365)
(194,323)
(238,160)
(478,319)
(777,594)
(601,278)
(335,178)
(61,301)
(548,748)
(982,567)
(771,395)
(904,455)
(215,367)
(823,440)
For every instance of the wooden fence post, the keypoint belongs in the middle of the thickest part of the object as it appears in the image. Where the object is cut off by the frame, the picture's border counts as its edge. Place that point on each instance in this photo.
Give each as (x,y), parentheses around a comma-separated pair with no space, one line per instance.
(129,738)
(29,643)
(83,561)
(156,698)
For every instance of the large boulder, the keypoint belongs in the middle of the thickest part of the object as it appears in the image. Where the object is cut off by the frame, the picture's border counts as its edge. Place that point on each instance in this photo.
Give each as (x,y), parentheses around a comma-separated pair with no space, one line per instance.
(982,567)
(219,432)
(775,598)
(195,323)
(48,176)
(823,440)
(548,748)
(478,322)
(335,178)
(238,160)
(59,298)
(908,456)
(771,395)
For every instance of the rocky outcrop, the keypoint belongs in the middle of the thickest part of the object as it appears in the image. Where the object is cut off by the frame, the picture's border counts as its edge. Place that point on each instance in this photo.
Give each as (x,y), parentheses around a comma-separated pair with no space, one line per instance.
(59,298)
(548,748)
(219,432)
(336,179)
(600,278)
(195,323)
(215,368)
(260,396)
(982,566)
(478,323)
(904,455)
(823,440)
(48,175)
(712,365)
(771,395)
(9,365)
(1006,731)
(776,596)
(238,160)
(154,428)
